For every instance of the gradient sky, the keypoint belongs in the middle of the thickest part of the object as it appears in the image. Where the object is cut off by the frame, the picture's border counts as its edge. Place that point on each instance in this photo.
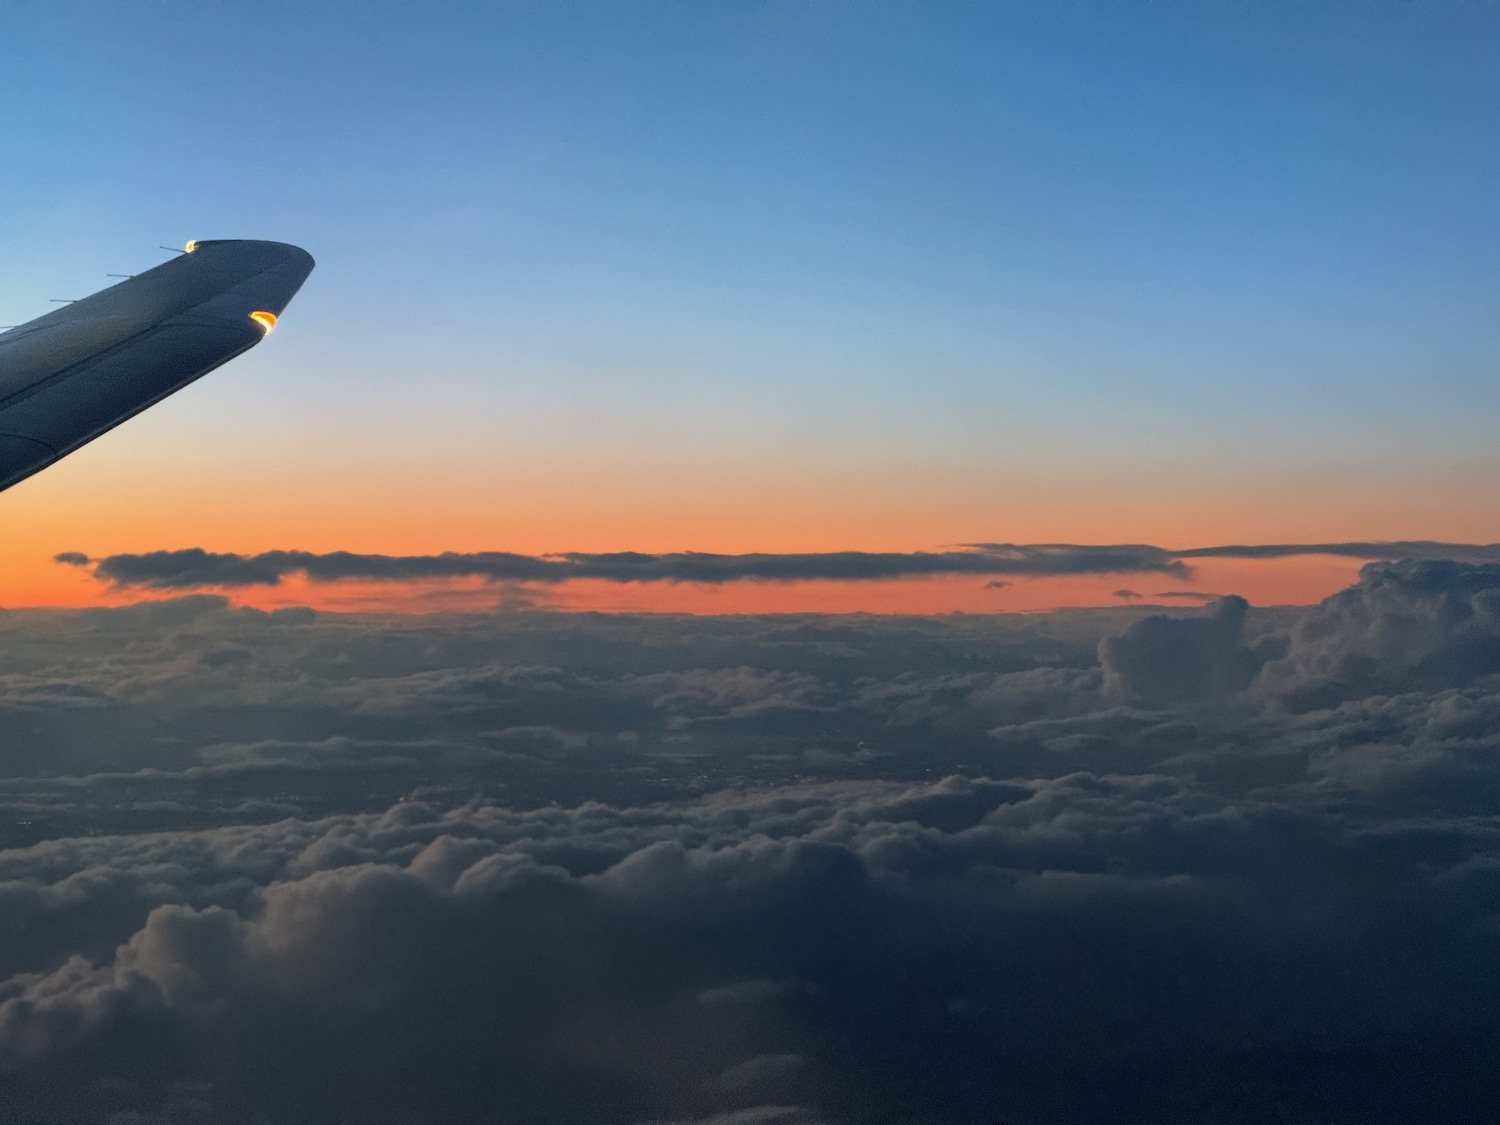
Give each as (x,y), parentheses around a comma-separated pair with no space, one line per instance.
(780,277)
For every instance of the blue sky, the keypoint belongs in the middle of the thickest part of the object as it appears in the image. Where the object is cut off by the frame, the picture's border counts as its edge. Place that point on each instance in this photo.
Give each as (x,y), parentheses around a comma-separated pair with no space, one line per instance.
(1162,238)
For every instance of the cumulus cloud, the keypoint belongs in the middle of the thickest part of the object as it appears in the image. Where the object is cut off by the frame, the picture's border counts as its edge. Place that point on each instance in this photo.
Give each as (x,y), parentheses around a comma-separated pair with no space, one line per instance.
(1162,660)
(1406,625)
(1133,864)
(926,958)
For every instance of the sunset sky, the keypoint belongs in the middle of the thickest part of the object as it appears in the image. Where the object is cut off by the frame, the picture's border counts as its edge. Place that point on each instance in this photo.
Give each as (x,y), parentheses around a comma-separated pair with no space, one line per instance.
(778,278)
(794,562)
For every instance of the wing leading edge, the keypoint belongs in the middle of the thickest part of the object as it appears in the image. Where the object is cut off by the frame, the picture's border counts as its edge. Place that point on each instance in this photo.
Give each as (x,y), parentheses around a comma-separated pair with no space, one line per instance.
(69,376)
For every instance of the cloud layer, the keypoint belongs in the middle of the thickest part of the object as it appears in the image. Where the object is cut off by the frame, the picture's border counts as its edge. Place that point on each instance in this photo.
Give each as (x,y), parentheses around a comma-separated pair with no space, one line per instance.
(1127,865)
(195,568)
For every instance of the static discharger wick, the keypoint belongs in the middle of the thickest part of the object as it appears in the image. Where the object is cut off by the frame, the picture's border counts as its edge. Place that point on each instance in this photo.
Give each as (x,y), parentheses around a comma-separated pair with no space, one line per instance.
(267,321)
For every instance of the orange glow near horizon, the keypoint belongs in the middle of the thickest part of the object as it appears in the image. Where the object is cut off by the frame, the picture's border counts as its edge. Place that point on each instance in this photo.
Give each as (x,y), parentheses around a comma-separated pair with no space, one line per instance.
(161,484)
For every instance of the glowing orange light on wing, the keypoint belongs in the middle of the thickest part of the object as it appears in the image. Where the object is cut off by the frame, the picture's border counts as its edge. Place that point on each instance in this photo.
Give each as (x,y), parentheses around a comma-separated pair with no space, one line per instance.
(266,320)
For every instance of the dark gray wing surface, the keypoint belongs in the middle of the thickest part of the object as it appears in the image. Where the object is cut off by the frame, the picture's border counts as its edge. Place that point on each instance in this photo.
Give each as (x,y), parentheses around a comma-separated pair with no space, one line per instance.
(81,370)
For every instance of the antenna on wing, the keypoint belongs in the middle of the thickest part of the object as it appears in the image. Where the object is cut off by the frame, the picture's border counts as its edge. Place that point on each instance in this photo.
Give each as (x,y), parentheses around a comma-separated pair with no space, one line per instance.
(62,300)
(174,249)
(119,275)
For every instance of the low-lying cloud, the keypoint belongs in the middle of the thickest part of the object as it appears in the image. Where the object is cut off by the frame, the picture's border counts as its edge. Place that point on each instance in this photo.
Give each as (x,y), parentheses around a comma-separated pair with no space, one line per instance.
(1127,864)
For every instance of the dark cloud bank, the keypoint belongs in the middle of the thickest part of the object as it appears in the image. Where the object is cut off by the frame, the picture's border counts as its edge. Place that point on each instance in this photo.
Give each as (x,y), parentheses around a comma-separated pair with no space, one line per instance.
(195,568)
(1122,865)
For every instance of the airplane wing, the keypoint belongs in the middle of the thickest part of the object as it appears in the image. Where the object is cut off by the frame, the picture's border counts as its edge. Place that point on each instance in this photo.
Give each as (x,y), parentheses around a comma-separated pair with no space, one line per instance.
(69,376)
